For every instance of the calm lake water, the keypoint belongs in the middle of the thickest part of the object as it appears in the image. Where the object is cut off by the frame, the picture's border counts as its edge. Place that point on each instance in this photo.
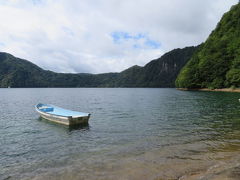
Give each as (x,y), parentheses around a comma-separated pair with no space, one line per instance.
(132,134)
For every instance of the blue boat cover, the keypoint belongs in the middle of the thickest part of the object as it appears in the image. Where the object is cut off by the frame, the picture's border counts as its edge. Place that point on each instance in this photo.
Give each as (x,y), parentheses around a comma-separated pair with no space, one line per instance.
(54,110)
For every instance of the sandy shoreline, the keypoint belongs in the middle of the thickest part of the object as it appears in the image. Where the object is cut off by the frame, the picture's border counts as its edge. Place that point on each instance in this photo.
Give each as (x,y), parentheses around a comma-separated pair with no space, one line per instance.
(225,168)
(237,90)
(169,163)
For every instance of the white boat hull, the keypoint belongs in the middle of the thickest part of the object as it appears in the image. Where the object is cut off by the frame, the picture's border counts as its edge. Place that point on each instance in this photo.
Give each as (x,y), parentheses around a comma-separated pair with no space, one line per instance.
(63,119)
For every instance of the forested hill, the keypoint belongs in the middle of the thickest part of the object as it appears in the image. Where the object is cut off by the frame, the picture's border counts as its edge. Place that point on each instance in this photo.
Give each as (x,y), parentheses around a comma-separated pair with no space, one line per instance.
(162,72)
(216,64)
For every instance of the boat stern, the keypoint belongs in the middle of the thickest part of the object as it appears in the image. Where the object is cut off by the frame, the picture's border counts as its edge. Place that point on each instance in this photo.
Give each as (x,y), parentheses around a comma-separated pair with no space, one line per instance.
(79,120)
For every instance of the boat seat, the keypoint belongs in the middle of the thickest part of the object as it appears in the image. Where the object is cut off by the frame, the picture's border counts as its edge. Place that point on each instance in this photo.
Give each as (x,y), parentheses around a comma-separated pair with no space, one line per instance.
(46,109)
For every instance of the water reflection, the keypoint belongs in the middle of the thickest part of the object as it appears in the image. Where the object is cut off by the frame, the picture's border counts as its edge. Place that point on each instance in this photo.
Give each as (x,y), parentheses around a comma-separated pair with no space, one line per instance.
(80,127)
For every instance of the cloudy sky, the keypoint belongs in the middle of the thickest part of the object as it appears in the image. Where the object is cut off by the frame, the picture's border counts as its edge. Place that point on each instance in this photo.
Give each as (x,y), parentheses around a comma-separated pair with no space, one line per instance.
(99,36)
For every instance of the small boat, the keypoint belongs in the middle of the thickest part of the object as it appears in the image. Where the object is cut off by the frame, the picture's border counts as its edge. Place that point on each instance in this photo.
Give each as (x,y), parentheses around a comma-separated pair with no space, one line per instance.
(61,116)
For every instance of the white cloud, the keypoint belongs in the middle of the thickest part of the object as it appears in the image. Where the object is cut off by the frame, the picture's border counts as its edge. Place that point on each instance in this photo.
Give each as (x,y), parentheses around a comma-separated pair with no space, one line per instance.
(76,35)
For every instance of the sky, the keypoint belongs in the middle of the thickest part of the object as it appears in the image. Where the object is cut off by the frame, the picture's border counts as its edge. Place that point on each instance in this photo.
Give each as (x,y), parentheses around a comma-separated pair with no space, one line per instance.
(98,36)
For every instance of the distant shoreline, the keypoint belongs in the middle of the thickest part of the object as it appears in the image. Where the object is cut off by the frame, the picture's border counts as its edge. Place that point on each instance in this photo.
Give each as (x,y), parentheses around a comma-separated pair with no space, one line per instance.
(237,90)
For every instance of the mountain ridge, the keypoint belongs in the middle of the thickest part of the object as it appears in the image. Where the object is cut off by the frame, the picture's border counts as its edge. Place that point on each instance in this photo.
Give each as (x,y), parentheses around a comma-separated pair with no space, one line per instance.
(16,72)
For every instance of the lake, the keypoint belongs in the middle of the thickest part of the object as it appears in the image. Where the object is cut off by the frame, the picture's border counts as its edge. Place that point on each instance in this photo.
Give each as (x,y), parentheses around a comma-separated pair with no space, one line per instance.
(133,133)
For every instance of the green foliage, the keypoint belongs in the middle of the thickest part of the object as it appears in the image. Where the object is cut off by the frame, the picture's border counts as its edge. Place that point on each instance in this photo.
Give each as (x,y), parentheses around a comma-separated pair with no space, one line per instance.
(216,63)
(233,77)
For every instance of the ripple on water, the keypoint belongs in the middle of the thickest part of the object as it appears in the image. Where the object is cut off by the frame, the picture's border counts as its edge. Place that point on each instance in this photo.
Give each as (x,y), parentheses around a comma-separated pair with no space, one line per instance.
(132,134)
